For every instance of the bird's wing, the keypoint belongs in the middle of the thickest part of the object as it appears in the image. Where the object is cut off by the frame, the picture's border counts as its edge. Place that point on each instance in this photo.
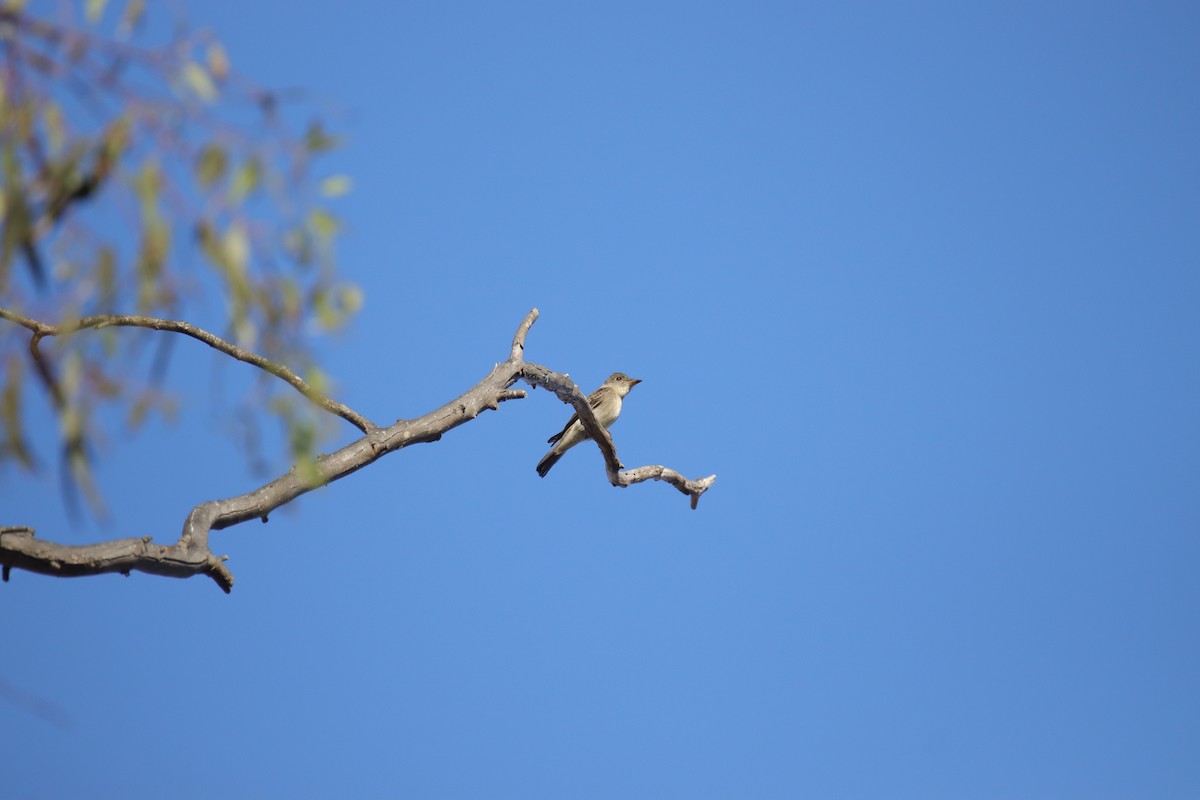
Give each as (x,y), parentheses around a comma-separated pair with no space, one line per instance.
(593,401)
(574,418)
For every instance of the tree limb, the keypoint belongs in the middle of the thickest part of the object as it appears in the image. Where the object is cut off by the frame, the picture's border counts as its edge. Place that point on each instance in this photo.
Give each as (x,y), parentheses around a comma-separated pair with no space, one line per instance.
(41,330)
(191,555)
(568,392)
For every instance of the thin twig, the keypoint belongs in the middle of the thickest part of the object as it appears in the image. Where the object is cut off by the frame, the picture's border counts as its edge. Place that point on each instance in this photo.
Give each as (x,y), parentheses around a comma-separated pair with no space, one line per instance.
(568,392)
(95,322)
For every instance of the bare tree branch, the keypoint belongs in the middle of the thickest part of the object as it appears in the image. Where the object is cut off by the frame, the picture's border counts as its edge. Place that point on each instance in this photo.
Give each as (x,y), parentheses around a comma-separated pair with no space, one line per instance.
(568,392)
(191,555)
(42,330)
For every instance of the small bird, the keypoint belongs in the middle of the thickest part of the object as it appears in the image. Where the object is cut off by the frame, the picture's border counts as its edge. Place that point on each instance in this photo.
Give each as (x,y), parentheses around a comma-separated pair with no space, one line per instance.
(605,402)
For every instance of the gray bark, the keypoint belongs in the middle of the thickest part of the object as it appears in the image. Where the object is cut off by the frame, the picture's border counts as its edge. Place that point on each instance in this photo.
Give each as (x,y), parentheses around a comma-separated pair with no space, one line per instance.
(191,555)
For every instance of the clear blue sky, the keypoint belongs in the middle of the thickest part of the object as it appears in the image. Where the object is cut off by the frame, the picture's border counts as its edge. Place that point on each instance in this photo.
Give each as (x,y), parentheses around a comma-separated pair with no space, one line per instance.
(920,282)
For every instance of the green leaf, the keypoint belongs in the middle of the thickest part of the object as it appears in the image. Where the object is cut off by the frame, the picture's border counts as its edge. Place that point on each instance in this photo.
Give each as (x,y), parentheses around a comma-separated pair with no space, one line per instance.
(335,185)
(218,61)
(317,140)
(15,232)
(322,227)
(316,378)
(324,224)
(64,181)
(235,247)
(106,278)
(327,316)
(10,412)
(211,165)
(156,243)
(298,244)
(334,306)
(147,184)
(137,412)
(309,472)
(94,10)
(289,298)
(302,441)
(70,379)
(233,255)
(245,180)
(208,241)
(52,118)
(199,81)
(132,16)
(351,297)
(17,217)
(81,473)
(113,143)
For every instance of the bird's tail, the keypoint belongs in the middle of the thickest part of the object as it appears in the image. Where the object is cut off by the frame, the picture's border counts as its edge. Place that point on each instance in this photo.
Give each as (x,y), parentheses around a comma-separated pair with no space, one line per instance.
(548,461)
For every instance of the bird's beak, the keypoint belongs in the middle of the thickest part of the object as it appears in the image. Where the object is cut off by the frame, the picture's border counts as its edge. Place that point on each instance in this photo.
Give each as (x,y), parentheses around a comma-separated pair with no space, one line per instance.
(634,381)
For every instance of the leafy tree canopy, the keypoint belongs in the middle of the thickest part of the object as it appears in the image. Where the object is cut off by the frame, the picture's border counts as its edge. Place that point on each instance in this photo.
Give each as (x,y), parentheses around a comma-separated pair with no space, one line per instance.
(140,173)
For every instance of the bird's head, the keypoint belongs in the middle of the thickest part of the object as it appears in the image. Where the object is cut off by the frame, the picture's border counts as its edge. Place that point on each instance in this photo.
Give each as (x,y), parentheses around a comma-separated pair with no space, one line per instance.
(622,382)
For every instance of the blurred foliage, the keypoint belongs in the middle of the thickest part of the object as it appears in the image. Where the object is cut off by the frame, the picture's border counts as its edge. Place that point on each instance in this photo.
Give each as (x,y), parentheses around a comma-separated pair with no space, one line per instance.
(140,173)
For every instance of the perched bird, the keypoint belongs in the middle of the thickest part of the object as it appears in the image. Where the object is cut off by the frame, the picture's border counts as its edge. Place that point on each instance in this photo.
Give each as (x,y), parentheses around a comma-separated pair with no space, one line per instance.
(605,403)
